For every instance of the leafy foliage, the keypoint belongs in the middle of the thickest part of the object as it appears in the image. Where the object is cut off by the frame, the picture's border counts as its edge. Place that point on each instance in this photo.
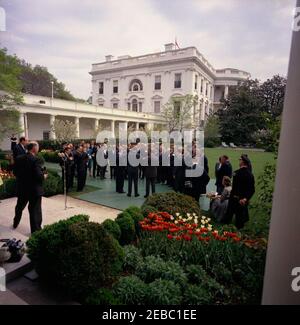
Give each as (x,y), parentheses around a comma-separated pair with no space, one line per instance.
(113,228)
(127,226)
(133,257)
(173,203)
(130,290)
(102,296)
(156,268)
(77,255)
(164,292)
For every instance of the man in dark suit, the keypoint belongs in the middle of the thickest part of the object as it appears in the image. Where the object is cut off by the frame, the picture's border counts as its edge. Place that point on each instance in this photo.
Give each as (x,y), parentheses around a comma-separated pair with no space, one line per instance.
(243,188)
(225,169)
(150,173)
(20,148)
(81,159)
(29,177)
(133,171)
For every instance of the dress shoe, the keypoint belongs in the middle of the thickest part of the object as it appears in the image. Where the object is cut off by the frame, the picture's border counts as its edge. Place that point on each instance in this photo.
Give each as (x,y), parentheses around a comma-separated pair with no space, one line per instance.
(137,195)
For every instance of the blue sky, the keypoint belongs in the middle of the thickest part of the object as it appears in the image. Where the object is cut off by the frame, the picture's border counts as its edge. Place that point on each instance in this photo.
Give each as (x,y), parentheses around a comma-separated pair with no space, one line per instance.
(68,36)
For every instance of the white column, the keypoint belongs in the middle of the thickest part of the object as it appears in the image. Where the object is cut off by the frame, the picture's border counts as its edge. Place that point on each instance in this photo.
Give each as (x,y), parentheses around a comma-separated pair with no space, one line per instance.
(96,127)
(52,131)
(22,125)
(112,126)
(137,126)
(202,109)
(77,127)
(26,125)
(226,91)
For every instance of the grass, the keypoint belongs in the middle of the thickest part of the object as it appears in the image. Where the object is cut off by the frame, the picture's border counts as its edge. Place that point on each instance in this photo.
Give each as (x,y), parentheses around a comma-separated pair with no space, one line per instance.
(258,159)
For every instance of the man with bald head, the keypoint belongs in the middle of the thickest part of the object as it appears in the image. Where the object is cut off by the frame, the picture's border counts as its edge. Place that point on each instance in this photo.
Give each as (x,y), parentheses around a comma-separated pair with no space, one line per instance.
(30,176)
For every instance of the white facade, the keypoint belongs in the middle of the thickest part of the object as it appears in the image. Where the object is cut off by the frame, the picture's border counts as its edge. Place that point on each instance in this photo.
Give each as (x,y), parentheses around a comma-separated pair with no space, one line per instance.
(146,83)
(37,116)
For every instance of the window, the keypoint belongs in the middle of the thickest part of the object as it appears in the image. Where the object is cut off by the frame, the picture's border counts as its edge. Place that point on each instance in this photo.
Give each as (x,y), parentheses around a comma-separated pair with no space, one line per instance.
(46,135)
(136,85)
(140,106)
(177,83)
(196,82)
(201,86)
(101,88)
(134,105)
(157,84)
(177,107)
(115,87)
(157,107)
(206,90)
(101,104)
(115,105)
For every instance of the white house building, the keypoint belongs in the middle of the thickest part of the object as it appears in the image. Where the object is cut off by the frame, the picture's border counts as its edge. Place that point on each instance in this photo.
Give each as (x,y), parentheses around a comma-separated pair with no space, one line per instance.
(132,90)
(145,83)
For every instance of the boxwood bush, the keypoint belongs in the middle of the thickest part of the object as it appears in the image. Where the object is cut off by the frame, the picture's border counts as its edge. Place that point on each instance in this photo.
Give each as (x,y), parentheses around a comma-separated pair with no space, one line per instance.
(77,255)
(113,228)
(8,188)
(173,203)
(127,226)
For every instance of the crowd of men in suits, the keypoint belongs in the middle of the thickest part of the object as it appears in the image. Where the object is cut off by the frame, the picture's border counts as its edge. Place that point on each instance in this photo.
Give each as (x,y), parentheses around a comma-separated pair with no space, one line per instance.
(81,160)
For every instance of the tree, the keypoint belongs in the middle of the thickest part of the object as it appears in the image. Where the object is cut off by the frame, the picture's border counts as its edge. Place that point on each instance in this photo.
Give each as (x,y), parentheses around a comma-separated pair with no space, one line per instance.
(37,81)
(10,95)
(272,93)
(241,116)
(64,130)
(178,113)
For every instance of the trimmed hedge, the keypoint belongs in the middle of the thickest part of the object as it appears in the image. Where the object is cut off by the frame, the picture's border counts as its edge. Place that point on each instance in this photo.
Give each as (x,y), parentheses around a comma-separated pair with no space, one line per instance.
(77,255)
(173,203)
(128,234)
(113,228)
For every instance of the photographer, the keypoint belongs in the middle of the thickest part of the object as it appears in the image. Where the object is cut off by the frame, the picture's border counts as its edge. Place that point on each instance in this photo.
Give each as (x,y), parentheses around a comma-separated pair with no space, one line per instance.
(30,176)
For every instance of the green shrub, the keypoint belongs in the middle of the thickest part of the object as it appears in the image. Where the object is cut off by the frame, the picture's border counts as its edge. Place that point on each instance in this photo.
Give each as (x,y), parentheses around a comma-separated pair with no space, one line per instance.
(8,188)
(163,292)
(212,142)
(173,203)
(146,209)
(137,216)
(2,155)
(53,184)
(196,295)
(75,254)
(113,228)
(130,290)
(102,296)
(4,164)
(128,234)
(155,267)
(133,257)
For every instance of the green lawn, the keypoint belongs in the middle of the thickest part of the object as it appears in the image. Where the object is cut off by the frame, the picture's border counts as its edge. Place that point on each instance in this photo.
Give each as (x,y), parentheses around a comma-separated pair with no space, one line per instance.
(258,159)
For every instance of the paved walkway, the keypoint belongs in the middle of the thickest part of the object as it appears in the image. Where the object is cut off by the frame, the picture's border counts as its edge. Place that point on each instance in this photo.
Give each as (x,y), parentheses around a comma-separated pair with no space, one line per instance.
(54,210)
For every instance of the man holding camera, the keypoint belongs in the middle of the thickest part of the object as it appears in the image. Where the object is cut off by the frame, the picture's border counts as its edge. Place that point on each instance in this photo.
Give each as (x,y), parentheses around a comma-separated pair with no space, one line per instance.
(29,176)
